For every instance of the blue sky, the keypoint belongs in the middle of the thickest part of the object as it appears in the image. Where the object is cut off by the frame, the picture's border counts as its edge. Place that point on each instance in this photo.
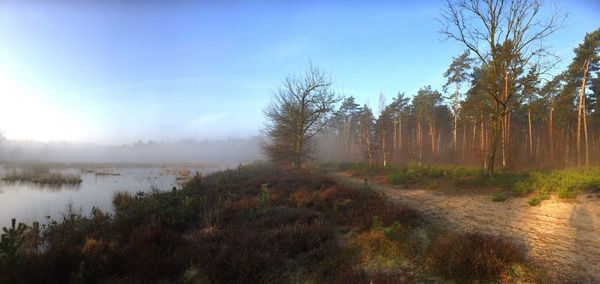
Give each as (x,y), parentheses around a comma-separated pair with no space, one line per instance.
(118,71)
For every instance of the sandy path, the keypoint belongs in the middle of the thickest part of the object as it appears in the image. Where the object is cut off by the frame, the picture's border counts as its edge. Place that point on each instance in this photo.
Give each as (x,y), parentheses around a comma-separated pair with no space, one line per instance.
(562,236)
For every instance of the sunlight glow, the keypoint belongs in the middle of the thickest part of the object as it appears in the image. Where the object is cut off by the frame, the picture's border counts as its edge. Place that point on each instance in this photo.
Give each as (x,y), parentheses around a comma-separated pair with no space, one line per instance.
(25,115)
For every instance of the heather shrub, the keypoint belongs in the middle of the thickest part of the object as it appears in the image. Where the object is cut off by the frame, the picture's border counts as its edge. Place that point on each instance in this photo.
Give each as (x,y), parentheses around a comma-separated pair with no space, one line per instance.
(301,198)
(472,256)
(250,225)
(379,253)
(174,210)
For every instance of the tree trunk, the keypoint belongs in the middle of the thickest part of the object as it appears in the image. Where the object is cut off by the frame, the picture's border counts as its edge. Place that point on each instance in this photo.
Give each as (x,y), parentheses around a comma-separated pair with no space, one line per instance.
(455,118)
(420,141)
(400,132)
(530,130)
(414,143)
(347,136)
(551,136)
(578,138)
(383,146)
(300,135)
(503,134)
(298,160)
(474,136)
(482,148)
(504,121)
(395,137)
(508,121)
(584,111)
(439,142)
(368,144)
(526,143)
(464,138)
(432,133)
(567,144)
(581,113)
(497,119)
(537,145)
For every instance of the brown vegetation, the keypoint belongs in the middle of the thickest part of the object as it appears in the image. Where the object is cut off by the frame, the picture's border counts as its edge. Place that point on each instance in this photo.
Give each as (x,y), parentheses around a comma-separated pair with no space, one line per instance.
(252,225)
(473,256)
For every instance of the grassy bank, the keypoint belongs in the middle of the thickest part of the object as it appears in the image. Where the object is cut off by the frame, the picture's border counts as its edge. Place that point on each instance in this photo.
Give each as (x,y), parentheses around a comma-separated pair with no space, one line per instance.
(254,225)
(539,185)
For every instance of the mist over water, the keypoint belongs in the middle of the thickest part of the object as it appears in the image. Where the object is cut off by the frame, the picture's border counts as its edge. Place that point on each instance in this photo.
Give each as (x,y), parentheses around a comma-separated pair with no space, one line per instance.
(106,170)
(229,152)
(29,202)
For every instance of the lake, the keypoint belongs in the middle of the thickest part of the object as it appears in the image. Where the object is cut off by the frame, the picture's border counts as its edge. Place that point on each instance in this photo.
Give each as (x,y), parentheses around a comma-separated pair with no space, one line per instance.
(30,202)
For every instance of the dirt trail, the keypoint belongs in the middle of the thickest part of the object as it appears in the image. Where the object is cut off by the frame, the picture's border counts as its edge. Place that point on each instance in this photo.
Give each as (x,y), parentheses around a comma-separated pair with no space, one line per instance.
(562,236)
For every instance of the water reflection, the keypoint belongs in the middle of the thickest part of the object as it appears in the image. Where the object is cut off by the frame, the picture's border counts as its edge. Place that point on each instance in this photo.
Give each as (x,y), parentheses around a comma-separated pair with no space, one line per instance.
(51,187)
(30,202)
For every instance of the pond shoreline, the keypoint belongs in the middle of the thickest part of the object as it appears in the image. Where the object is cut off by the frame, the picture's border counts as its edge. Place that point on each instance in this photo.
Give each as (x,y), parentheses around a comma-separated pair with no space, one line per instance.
(29,201)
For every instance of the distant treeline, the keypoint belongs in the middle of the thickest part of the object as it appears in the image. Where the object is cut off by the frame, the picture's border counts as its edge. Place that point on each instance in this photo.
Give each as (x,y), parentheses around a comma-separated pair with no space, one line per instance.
(226,152)
(543,122)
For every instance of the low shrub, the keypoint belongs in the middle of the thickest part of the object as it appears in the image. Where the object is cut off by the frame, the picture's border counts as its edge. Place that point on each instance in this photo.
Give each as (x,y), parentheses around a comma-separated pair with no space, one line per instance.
(499,197)
(431,185)
(171,209)
(254,224)
(413,173)
(365,170)
(472,256)
(154,253)
(398,178)
(567,193)
(534,201)
(565,183)
(522,188)
(379,253)
(301,198)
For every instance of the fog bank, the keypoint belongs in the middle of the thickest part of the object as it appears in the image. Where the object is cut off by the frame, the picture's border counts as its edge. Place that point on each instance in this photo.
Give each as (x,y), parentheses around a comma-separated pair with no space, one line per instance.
(223,152)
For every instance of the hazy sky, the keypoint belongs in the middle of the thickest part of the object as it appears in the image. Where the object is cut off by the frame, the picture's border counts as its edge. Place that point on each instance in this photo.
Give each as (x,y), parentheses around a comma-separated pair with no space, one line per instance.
(119,71)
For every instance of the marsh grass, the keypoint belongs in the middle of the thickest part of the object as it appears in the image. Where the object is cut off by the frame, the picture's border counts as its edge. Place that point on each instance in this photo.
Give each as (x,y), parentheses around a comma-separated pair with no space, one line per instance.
(41,177)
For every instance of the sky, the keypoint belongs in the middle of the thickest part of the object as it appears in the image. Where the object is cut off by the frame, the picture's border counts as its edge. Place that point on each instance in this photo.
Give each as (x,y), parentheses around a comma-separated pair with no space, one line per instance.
(111,72)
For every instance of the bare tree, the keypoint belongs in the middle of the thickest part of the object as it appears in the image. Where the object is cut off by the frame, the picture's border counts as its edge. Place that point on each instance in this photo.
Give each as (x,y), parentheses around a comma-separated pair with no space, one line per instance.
(300,108)
(507,37)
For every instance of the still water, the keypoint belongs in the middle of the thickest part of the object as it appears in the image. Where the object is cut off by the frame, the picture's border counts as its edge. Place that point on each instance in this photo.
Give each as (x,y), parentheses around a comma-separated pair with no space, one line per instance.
(30,202)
